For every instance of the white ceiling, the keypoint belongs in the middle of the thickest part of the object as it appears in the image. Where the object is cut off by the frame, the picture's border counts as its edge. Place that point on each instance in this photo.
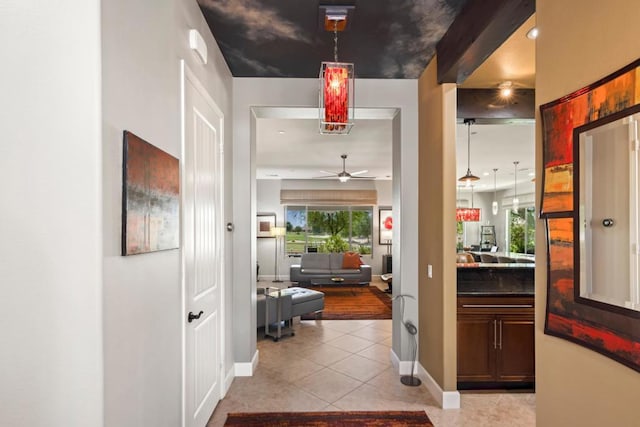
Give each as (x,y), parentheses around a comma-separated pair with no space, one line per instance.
(294,149)
(498,146)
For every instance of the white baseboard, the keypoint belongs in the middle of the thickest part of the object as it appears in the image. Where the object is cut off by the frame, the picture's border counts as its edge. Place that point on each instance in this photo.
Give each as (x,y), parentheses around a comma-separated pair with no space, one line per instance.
(446,399)
(228,379)
(246,369)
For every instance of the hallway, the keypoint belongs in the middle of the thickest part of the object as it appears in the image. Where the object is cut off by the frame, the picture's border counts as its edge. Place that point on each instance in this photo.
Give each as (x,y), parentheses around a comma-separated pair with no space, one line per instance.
(334,365)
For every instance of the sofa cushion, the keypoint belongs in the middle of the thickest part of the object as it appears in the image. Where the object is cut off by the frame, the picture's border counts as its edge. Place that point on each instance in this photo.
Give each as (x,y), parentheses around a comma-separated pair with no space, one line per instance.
(345,271)
(336,261)
(351,260)
(315,271)
(315,261)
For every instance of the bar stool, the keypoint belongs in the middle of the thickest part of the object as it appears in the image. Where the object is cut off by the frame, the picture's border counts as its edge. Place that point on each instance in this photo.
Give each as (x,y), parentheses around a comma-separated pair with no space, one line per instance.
(488,258)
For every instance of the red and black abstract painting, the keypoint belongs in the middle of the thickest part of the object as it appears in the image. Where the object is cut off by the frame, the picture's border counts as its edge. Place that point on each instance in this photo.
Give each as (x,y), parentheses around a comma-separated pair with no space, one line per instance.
(610,332)
(150,198)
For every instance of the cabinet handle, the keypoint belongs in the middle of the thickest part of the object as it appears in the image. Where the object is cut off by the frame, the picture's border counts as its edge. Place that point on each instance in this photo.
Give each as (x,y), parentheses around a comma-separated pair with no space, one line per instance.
(501,335)
(495,333)
(497,305)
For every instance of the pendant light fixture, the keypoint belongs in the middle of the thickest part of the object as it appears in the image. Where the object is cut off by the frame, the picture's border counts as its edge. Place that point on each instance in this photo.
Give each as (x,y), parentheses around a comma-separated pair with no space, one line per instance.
(516,202)
(494,205)
(336,79)
(468,178)
(468,214)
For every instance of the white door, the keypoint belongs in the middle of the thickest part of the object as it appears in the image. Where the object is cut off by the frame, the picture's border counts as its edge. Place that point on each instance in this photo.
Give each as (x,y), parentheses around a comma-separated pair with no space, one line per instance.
(202,251)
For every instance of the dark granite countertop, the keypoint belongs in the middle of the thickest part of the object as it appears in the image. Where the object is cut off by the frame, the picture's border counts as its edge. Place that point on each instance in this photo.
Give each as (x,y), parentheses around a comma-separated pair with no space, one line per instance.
(495,265)
(492,279)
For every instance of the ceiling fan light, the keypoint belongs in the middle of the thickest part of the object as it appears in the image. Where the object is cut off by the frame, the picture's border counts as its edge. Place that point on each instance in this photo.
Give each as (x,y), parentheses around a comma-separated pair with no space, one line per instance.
(343,178)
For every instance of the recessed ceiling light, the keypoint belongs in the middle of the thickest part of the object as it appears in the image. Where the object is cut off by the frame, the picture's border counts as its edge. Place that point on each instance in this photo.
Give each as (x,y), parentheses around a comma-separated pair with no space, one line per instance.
(532,34)
(485,173)
(532,174)
(281,132)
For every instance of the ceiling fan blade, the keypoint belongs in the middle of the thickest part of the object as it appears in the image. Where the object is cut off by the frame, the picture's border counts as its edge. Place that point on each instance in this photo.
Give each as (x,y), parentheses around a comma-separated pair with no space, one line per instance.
(329,173)
(359,172)
(325,177)
(363,177)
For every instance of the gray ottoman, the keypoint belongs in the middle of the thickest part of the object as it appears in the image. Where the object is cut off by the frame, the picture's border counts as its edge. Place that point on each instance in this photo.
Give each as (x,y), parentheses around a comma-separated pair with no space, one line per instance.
(295,302)
(305,301)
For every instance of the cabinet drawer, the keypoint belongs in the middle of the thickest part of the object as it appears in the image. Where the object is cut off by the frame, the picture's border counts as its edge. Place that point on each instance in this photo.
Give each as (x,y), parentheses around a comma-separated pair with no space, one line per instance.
(496,305)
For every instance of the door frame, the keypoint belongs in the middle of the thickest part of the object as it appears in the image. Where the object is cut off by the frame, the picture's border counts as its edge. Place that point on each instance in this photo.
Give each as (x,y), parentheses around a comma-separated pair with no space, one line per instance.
(187,74)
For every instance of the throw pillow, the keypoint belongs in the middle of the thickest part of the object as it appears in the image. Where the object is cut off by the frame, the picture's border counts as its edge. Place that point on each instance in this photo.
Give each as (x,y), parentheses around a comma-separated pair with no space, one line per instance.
(351,261)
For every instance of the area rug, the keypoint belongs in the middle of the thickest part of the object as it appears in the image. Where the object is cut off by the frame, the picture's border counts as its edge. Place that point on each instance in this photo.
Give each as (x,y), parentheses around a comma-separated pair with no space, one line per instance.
(353,302)
(330,419)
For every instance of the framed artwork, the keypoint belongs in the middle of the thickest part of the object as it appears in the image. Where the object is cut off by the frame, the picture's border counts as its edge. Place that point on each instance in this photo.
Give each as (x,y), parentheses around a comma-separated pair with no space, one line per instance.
(150,198)
(264,222)
(604,328)
(385,235)
(608,96)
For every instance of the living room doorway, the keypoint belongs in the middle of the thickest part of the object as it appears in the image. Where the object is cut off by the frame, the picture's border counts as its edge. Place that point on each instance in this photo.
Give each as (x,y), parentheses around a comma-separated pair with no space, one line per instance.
(270,123)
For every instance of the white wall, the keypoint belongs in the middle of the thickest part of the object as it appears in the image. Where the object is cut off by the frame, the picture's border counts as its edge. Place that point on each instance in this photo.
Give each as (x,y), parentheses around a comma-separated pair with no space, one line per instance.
(50,170)
(268,200)
(143,42)
(371,93)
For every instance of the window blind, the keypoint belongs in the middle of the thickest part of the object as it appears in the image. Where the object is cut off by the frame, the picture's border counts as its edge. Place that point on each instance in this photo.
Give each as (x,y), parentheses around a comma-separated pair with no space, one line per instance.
(329,197)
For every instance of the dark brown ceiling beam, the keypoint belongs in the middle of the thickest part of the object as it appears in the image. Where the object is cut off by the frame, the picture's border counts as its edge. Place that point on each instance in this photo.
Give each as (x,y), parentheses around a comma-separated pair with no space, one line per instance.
(487,107)
(478,30)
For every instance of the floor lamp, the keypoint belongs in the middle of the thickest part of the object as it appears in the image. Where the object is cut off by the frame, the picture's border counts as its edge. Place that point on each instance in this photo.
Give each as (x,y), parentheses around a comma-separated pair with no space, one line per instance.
(278,233)
(409,380)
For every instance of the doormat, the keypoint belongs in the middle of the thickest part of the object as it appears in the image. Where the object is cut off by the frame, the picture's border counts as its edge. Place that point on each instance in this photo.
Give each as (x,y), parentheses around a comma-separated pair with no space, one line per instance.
(330,419)
(352,303)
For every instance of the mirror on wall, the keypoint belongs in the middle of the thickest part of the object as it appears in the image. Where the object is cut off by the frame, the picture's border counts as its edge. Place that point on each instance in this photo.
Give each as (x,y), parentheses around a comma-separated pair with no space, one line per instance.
(607,183)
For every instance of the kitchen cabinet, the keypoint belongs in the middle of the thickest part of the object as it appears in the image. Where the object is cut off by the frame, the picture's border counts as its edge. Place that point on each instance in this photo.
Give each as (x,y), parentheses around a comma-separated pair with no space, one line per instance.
(496,342)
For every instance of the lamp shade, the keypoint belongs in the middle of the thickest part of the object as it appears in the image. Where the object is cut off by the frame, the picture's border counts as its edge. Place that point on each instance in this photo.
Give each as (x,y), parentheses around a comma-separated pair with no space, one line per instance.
(336,97)
(278,231)
(467,214)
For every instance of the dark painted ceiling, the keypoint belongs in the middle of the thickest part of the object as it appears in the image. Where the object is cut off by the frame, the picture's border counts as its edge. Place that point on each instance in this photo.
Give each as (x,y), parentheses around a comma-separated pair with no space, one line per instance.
(282,38)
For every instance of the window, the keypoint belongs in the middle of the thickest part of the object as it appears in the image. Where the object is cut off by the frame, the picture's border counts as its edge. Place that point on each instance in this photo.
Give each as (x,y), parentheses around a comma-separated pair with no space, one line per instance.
(521,226)
(329,229)
(459,236)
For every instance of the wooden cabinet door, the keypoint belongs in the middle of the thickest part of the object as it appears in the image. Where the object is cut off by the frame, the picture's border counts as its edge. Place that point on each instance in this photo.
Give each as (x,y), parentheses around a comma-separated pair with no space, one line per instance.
(476,350)
(516,348)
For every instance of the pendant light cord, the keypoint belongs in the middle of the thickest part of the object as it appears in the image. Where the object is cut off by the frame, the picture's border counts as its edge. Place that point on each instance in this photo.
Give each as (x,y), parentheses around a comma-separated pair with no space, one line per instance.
(494,184)
(472,197)
(515,180)
(469,147)
(335,41)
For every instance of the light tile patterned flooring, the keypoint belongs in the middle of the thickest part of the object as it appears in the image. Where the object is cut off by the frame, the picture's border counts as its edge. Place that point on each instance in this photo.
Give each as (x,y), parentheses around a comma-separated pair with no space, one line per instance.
(344,365)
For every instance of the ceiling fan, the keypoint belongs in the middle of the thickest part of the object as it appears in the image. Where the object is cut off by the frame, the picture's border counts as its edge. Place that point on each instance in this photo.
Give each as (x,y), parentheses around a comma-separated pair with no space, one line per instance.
(344,176)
